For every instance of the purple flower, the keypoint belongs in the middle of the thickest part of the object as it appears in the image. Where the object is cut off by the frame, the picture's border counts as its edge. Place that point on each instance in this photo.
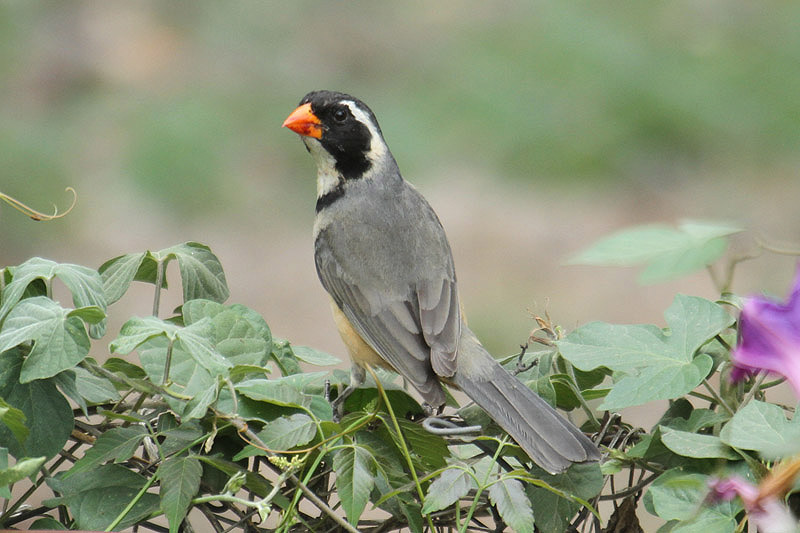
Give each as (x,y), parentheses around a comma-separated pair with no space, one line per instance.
(726,489)
(769,337)
(764,509)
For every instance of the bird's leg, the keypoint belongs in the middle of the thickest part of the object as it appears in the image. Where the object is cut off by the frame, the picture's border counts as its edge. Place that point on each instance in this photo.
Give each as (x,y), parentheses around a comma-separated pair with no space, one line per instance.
(357,377)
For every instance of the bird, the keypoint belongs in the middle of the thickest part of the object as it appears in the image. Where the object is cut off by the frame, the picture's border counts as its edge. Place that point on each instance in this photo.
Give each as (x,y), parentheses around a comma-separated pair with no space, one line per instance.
(382,255)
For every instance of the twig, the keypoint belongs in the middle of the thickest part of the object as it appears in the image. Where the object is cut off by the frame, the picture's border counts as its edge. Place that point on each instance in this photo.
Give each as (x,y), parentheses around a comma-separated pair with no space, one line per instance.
(717,398)
(312,497)
(754,389)
(630,490)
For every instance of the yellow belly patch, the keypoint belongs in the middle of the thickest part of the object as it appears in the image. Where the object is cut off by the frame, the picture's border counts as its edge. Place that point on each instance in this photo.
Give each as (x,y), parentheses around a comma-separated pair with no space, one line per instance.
(360,352)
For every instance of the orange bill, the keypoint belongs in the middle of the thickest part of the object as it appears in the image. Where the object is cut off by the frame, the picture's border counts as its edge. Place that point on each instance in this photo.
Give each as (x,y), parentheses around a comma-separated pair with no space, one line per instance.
(304,121)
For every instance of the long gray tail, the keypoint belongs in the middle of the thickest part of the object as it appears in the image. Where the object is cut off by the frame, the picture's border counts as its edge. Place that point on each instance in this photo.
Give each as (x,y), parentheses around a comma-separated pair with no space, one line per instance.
(549,439)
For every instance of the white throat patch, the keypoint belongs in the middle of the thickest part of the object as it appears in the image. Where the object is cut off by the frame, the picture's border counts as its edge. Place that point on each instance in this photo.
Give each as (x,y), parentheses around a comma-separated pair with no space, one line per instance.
(327,176)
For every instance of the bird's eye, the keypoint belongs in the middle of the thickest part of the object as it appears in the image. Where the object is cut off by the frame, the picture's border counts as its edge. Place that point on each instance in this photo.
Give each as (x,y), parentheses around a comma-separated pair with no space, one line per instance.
(339,115)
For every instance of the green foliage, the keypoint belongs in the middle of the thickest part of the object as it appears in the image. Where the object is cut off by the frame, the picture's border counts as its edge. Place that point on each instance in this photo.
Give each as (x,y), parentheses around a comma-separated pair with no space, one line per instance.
(668,253)
(762,427)
(650,363)
(181,480)
(206,408)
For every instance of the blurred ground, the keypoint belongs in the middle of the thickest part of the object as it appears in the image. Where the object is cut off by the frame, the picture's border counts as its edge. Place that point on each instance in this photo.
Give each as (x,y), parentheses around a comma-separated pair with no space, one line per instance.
(533,128)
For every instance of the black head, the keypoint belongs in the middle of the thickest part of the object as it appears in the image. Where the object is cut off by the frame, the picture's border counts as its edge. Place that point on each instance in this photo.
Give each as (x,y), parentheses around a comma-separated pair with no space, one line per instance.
(344,126)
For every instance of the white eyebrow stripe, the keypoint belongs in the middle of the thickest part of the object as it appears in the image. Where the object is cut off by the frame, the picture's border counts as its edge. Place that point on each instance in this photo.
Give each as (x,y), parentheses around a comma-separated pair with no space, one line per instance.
(377,149)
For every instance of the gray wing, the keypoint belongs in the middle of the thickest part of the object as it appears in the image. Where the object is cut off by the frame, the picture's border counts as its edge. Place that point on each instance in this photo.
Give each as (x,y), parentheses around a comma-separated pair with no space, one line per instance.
(407,311)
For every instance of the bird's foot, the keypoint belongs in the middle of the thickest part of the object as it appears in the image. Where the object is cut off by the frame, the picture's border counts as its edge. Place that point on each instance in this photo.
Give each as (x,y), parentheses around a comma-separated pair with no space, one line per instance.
(430,410)
(338,409)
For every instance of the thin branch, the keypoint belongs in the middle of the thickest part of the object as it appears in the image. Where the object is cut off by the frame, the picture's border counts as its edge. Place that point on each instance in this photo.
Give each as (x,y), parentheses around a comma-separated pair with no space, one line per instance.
(754,389)
(630,490)
(312,497)
(717,398)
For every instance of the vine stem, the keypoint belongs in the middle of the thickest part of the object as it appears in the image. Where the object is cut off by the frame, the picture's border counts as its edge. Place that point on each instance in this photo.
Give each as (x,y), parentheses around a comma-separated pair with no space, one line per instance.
(38,215)
(167,363)
(718,398)
(241,427)
(130,505)
(159,282)
(403,445)
(754,389)
(482,488)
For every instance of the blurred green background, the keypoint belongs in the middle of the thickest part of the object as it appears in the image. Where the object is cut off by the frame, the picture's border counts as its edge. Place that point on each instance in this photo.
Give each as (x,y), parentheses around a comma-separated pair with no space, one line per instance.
(534,128)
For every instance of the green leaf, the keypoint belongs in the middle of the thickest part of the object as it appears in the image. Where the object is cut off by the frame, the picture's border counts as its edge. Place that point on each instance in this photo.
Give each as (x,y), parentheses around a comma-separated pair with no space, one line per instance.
(240,333)
(315,357)
(177,438)
(84,284)
(650,364)
(260,486)
(399,504)
(198,405)
(87,291)
(449,487)
(284,357)
(60,341)
(287,432)
(201,271)
(24,468)
(275,391)
(762,427)
(654,383)
(117,444)
(431,449)
(95,498)
(676,495)
(669,253)
(354,480)
(698,419)
(553,512)
(118,273)
(48,523)
(186,376)
(65,381)
(121,366)
(679,495)
(48,414)
(198,340)
(138,330)
(14,419)
(91,314)
(180,481)
(95,389)
(694,445)
(508,495)
(368,398)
